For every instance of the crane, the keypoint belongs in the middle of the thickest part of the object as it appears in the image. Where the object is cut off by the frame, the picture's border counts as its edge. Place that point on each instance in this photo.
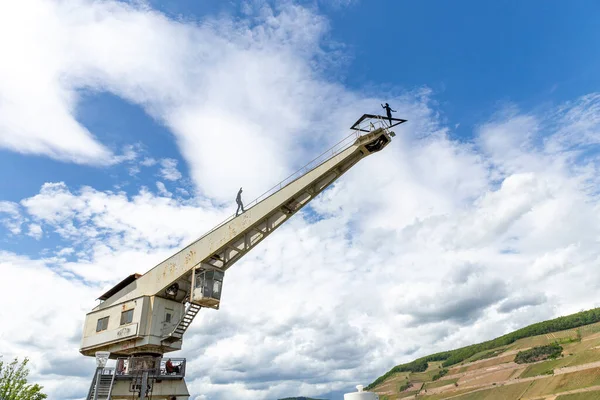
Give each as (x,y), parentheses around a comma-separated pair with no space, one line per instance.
(145,316)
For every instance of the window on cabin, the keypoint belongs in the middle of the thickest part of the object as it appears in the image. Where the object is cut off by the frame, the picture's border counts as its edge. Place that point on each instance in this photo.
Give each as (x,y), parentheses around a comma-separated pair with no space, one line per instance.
(126,317)
(102,324)
(168,318)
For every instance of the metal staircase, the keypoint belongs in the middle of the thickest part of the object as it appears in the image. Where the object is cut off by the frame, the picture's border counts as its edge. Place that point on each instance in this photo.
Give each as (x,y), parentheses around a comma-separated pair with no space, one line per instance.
(102,384)
(190,313)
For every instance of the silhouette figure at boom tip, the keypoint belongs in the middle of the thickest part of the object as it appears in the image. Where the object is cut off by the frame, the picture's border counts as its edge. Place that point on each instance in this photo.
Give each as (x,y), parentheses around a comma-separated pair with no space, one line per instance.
(238,200)
(388,111)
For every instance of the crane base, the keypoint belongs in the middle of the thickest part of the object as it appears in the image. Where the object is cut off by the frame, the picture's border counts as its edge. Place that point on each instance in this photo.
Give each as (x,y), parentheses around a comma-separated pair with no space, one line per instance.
(158,390)
(140,377)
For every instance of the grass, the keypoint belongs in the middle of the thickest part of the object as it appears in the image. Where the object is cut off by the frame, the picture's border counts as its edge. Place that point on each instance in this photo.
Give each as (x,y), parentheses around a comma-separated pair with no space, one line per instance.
(564,382)
(580,396)
(407,394)
(546,331)
(516,373)
(434,365)
(423,376)
(488,378)
(493,374)
(485,354)
(584,356)
(440,383)
(439,396)
(542,368)
(590,329)
(514,391)
(440,374)
(404,386)
(548,338)
(490,363)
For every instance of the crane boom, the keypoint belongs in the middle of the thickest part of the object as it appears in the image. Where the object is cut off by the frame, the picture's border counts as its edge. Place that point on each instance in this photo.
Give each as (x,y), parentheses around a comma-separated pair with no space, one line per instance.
(145,316)
(226,244)
(156,308)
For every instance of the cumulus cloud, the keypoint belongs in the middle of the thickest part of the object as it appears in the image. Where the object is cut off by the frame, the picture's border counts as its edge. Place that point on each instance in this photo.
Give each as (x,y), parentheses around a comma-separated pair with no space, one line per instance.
(162,190)
(418,249)
(35,231)
(37,90)
(515,303)
(205,82)
(106,224)
(169,169)
(462,300)
(35,330)
(148,162)
(433,256)
(11,216)
(399,259)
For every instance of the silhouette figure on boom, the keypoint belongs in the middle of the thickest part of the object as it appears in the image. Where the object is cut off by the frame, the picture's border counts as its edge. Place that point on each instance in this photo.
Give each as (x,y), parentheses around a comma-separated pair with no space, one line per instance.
(388,111)
(238,200)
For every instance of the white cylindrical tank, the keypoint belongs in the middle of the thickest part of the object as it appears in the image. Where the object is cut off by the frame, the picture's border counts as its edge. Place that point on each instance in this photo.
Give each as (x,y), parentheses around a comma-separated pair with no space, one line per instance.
(360,395)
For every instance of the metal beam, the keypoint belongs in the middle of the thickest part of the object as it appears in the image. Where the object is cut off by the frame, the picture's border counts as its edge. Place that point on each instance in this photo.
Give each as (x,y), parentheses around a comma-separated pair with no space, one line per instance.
(209,247)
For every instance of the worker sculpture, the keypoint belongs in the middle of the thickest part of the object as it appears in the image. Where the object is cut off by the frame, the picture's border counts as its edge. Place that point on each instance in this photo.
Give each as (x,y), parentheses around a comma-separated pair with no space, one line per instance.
(240,205)
(388,111)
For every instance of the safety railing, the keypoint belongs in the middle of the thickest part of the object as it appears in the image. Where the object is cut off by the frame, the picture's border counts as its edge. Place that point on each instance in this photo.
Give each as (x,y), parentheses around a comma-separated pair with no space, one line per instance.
(107,371)
(164,368)
(371,124)
(321,158)
(175,369)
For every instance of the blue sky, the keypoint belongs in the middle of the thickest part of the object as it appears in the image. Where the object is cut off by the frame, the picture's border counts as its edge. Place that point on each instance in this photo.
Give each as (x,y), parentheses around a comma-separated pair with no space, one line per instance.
(475,56)
(128,132)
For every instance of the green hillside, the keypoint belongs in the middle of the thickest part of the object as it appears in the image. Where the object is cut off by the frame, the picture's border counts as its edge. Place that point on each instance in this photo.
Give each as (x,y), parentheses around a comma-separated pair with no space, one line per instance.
(547,350)
(299,398)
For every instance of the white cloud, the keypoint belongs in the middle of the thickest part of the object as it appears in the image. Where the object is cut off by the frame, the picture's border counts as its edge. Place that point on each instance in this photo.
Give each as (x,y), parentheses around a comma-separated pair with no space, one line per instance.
(343,291)
(34,330)
(10,216)
(65,251)
(205,82)
(162,189)
(579,124)
(148,162)
(35,231)
(169,169)
(30,85)
(110,229)
(526,300)
(182,192)
(419,239)
(133,171)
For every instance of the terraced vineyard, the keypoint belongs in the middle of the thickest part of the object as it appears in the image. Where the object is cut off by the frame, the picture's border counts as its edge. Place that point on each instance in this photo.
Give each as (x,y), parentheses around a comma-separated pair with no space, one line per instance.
(492,373)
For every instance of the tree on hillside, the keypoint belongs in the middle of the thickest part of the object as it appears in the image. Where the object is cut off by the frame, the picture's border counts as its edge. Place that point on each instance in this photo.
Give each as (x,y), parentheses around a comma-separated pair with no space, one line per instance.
(13,382)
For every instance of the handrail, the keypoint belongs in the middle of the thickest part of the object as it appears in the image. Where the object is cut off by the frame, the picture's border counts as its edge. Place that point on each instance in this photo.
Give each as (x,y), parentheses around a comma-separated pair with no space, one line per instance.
(368,125)
(159,370)
(331,152)
(112,383)
(93,382)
